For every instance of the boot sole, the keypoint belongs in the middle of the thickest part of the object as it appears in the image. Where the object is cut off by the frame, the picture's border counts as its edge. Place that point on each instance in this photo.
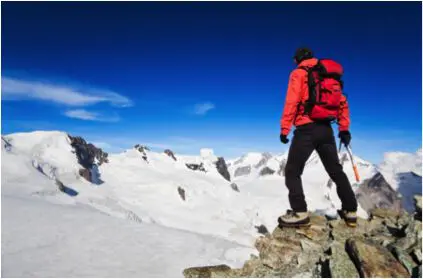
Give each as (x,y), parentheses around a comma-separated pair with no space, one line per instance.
(286,225)
(351,225)
(282,224)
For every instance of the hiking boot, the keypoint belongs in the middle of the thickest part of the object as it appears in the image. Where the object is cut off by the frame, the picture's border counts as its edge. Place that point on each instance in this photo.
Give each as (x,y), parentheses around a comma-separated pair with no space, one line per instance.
(350,217)
(294,219)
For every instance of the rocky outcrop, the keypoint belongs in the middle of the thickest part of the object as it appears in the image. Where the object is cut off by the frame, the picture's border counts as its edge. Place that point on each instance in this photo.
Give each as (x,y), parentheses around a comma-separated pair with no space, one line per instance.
(5,144)
(207,272)
(377,193)
(196,167)
(388,244)
(418,204)
(373,260)
(264,160)
(262,229)
(142,149)
(170,153)
(87,153)
(67,190)
(89,157)
(181,192)
(241,171)
(266,171)
(234,187)
(222,168)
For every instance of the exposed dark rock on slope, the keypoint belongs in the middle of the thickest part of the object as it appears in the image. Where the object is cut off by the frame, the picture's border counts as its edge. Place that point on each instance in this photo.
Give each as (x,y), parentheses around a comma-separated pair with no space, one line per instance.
(222,168)
(89,157)
(196,167)
(377,193)
(170,153)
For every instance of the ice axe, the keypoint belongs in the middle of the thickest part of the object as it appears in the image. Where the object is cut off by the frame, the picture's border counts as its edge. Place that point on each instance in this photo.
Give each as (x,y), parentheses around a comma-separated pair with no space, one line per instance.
(348,148)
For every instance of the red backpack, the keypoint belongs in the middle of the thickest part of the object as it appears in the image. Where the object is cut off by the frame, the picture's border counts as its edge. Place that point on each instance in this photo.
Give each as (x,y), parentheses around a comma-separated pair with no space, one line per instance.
(325,90)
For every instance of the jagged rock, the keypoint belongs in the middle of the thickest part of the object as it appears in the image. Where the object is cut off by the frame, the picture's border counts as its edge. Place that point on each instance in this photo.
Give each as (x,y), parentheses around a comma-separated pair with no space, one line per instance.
(246,170)
(141,148)
(277,252)
(416,253)
(377,193)
(262,270)
(89,157)
(62,188)
(87,153)
(218,271)
(195,167)
(318,221)
(341,232)
(6,145)
(234,187)
(403,243)
(266,171)
(340,264)
(85,174)
(262,229)
(170,153)
(181,192)
(418,206)
(250,266)
(222,168)
(418,274)
(372,260)
(405,259)
(382,239)
(60,185)
(404,219)
(264,160)
(283,232)
(384,213)
(329,248)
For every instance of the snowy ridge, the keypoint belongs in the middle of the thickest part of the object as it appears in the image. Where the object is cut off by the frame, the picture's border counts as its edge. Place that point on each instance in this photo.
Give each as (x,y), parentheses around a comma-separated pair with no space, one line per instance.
(403,171)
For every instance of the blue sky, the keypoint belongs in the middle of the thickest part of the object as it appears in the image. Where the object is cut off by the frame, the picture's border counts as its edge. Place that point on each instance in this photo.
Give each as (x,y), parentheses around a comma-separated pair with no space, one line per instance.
(191,75)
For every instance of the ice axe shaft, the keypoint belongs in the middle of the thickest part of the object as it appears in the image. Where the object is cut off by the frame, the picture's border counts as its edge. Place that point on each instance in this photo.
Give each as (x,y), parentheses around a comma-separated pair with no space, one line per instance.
(356,174)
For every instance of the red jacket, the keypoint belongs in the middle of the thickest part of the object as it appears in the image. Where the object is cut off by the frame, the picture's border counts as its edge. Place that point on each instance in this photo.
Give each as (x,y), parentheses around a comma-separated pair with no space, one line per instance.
(297,93)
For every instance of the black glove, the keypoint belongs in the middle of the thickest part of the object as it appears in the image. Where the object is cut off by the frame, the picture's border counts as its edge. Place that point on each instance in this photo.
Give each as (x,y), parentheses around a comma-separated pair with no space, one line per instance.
(345,137)
(284,139)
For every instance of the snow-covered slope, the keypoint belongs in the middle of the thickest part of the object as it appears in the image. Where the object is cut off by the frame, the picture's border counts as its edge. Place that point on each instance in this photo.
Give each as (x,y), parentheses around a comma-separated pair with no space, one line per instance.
(41,239)
(41,224)
(403,171)
(146,193)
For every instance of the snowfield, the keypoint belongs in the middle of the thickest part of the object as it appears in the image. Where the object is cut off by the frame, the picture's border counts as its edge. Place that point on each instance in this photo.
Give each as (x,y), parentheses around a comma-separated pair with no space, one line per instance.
(136,223)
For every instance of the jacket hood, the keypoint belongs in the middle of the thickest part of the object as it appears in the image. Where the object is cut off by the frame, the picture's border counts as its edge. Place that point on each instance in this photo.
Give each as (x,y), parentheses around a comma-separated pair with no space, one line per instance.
(308,62)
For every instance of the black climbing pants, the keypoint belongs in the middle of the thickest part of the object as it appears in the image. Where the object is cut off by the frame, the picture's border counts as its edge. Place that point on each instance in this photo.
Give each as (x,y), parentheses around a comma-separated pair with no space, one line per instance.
(319,137)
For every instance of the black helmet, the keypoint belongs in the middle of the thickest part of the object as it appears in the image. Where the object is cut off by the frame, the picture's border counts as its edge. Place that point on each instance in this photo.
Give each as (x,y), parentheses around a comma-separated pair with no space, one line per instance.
(303,53)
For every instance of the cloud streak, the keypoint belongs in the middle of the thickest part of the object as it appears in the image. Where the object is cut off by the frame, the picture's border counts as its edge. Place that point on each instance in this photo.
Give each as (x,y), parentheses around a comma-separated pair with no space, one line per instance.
(83,114)
(203,108)
(19,89)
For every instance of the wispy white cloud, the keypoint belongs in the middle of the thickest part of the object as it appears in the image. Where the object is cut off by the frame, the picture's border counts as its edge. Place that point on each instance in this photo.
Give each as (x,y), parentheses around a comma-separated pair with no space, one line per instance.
(90,115)
(20,89)
(203,108)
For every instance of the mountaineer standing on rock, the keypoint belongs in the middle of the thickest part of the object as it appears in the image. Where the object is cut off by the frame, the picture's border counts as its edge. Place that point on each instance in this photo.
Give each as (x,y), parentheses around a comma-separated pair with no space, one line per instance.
(314,99)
